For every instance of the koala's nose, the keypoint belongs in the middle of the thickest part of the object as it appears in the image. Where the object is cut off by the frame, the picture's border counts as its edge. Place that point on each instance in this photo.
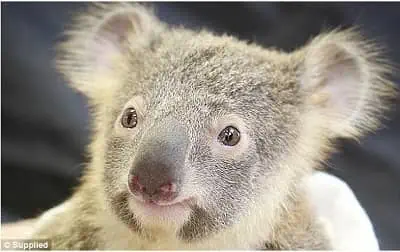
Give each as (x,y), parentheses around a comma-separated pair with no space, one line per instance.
(158,167)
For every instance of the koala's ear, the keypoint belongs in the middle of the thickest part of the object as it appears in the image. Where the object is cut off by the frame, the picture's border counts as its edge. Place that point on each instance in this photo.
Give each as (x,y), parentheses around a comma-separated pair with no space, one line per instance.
(99,38)
(343,77)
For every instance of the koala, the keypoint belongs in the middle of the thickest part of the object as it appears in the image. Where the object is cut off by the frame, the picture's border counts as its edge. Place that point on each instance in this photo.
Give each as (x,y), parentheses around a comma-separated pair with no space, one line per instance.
(204,141)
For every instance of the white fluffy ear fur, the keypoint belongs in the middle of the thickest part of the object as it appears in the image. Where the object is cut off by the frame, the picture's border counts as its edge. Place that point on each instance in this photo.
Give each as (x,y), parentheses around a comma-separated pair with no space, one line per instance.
(344,77)
(336,206)
(98,39)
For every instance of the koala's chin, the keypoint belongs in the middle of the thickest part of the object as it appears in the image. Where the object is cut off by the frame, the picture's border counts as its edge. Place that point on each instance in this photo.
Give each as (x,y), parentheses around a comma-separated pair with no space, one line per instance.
(150,213)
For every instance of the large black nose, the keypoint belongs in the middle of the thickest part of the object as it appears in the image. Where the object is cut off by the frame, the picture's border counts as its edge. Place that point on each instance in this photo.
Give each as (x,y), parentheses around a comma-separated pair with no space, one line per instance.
(158,167)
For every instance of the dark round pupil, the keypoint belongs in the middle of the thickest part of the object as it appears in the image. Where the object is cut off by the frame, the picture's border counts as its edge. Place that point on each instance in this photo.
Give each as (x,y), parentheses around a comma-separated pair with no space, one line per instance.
(229,136)
(129,119)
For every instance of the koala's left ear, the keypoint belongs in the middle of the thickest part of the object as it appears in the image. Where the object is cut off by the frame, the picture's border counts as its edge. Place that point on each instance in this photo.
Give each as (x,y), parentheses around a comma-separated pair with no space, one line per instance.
(344,78)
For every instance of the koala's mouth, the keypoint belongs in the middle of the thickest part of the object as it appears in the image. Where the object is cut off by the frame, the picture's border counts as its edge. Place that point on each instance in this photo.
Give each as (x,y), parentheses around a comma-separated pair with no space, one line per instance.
(173,211)
(161,205)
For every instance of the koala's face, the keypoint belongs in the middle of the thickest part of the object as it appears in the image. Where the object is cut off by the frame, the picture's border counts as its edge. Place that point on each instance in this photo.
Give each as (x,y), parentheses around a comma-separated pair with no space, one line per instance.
(194,129)
(195,135)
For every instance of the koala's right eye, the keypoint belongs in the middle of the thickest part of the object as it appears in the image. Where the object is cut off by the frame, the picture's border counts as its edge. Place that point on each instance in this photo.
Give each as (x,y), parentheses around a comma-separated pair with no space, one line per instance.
(129,118)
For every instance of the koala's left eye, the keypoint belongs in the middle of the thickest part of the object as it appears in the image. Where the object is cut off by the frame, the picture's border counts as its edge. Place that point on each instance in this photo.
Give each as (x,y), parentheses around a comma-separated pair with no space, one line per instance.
(129,118)
(229,136)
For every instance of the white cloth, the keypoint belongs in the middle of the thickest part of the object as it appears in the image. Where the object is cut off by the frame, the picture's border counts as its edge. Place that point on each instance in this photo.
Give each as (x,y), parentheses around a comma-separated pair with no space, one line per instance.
(337,207)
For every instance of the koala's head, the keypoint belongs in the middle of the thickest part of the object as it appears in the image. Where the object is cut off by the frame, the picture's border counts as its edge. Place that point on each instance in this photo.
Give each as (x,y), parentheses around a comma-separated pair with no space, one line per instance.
(195,131)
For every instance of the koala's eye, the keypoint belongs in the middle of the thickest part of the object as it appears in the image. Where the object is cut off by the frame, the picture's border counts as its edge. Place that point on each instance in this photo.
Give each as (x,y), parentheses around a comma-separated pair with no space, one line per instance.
(129,118)
(229,136)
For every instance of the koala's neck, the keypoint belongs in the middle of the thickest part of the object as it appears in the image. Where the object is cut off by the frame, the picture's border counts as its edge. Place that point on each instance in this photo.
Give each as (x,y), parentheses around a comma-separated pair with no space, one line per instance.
(298,228)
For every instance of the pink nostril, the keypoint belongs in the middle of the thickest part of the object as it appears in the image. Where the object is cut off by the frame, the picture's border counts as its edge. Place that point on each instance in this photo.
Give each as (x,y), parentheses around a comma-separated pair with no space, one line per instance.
(168,188)
(136,184)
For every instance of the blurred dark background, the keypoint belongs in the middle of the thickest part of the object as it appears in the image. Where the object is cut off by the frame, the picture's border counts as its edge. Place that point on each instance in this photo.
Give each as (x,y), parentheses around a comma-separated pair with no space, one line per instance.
(45,123)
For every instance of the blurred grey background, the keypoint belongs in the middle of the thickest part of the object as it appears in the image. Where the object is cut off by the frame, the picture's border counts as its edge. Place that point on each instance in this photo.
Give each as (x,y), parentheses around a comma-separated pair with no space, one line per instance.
(45,123)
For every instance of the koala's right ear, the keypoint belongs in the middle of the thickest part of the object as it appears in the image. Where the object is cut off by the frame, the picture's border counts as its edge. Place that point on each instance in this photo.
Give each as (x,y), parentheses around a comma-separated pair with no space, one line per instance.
(99,38)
